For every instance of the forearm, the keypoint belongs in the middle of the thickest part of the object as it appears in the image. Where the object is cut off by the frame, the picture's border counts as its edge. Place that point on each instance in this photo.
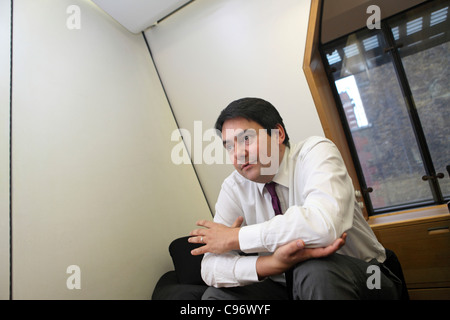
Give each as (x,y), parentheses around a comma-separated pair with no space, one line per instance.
(267,266)
(282,259)
(287,256)
(231,269)
(228,270)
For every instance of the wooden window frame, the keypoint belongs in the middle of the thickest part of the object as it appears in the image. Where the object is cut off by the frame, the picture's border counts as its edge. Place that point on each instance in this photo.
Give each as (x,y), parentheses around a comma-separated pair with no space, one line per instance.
(322,94)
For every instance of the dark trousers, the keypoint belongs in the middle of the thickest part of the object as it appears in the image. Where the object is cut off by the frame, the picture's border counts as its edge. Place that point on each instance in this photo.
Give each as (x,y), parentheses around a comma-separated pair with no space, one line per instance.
(336,277)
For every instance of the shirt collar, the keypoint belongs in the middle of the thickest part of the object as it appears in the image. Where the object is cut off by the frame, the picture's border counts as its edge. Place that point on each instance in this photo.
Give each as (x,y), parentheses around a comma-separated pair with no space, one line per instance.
(282,176)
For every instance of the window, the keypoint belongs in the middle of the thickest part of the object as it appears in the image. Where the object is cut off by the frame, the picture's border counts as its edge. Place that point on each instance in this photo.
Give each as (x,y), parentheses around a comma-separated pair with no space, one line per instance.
(392,89)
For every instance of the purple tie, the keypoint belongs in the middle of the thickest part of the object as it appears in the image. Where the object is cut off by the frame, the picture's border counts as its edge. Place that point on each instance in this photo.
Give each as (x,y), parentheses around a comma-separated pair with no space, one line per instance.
(275,200)
(277,208)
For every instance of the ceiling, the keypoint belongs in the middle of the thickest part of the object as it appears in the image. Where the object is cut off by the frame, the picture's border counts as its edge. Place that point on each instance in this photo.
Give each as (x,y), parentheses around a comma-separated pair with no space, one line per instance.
(138,15)
(341,17)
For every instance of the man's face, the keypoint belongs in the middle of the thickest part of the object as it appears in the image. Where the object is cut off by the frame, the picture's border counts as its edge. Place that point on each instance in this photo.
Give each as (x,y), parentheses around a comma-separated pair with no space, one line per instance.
(255,154)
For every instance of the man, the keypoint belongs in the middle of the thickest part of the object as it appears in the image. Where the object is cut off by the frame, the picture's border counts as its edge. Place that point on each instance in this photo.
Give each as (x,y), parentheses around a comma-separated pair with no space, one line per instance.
(299,228)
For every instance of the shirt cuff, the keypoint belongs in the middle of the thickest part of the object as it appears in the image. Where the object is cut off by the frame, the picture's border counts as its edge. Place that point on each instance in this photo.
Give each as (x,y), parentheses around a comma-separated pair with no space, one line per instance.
(250,239)
(245,270)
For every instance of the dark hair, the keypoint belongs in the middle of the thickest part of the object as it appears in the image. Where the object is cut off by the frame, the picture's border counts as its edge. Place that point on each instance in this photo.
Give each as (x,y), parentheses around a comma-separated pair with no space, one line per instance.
(255,109)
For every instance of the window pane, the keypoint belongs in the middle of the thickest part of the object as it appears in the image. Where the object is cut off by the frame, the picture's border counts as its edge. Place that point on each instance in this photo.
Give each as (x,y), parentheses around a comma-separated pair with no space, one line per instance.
(425,53)
(378,120)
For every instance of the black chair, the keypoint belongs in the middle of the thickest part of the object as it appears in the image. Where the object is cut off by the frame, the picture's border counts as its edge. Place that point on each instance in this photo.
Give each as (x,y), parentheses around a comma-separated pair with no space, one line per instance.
(185,282)
(393,264)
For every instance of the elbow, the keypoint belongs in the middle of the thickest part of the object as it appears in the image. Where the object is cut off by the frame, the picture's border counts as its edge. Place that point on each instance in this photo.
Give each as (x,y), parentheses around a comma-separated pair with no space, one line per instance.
(208,279)
(324,238)
(206,273)
(327,232)
(210,273)
(329,222)
(335,229)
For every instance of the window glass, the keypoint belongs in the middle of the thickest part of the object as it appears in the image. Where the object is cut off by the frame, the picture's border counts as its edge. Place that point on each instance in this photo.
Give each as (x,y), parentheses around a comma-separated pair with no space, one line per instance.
(393,90)
(423,40)
(378,120)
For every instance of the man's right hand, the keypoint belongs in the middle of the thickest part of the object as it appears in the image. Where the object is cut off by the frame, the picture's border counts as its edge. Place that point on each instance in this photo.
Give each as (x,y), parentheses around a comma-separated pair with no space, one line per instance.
(288,255)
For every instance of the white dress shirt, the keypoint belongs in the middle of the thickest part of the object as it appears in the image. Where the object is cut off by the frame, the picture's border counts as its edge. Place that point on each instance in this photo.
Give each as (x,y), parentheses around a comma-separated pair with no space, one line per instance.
(318,200)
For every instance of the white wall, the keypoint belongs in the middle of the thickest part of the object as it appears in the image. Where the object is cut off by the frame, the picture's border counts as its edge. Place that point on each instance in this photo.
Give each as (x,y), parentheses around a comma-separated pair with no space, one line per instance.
(215,51)
(5,13)
(93,182)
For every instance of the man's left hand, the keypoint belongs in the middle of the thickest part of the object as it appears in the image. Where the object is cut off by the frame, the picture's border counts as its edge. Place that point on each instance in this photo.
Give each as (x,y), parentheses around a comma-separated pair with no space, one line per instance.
(218,238)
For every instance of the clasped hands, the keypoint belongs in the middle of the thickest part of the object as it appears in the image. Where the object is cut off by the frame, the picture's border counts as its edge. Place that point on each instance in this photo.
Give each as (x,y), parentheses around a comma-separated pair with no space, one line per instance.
(218,238)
